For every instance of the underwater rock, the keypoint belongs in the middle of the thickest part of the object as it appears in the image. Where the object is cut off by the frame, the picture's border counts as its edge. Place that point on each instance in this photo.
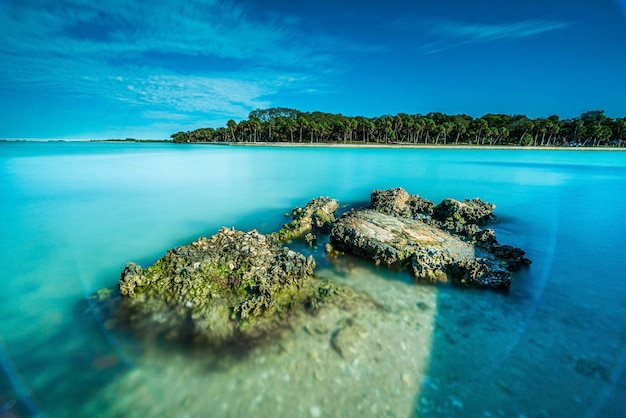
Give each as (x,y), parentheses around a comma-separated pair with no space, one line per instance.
(348,338)
(318,213)
(233,286)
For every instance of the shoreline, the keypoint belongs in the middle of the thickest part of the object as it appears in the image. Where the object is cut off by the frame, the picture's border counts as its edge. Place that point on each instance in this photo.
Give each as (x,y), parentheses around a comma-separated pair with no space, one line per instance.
(327,145)
(407,146)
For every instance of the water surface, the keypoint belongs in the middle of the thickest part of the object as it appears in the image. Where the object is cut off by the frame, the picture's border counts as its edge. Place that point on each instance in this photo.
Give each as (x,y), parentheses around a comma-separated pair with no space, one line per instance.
(72,214)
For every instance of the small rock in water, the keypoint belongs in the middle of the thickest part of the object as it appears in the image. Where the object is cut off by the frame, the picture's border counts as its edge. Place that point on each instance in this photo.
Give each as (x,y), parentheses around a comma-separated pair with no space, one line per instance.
(423,306)
(346,341)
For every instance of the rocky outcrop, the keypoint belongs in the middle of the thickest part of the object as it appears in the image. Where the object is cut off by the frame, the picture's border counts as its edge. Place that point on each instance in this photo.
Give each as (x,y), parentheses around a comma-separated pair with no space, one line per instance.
(429,253)
(398,230)
(472,211)
(398,202)
(233,286)
(319,213)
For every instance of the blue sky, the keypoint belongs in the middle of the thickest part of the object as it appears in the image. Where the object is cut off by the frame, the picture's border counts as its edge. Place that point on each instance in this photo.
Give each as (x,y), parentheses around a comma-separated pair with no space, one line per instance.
(84,69)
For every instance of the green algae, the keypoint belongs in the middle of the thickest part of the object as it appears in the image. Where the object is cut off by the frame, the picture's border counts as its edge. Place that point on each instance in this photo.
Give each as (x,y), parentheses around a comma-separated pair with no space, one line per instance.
(234,285)
(319,213)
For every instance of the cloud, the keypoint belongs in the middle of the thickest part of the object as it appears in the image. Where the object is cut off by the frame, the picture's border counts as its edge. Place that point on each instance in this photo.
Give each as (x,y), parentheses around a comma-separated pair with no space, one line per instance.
(187,93)
(209,56)
(476,33)
(445,34)
(207,28)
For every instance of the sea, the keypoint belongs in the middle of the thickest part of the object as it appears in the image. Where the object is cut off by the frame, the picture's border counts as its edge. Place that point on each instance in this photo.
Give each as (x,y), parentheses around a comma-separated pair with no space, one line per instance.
(73,214)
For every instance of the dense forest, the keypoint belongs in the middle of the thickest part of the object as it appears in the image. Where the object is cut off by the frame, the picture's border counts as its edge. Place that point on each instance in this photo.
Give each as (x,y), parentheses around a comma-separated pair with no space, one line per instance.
(283,125)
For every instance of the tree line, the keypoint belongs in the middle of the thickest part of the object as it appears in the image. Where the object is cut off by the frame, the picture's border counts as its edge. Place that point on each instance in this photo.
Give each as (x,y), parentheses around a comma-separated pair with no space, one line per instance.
(284,125)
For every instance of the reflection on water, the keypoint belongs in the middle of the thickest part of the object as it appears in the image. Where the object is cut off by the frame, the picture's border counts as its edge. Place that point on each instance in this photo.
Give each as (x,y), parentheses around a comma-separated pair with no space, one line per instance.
(72,215)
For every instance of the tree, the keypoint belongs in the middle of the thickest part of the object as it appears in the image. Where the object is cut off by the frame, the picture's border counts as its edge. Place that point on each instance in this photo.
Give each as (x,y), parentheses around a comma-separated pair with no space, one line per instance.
(232,125)
(180,137)
(302,123)
(526,140)
(620,131)
(479,126)
(446,128)
(429,126)
(592,128)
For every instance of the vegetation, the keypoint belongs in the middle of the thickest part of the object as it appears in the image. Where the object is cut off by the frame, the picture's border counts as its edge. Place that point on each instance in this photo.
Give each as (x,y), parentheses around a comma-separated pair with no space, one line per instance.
(128,140)
(283,125)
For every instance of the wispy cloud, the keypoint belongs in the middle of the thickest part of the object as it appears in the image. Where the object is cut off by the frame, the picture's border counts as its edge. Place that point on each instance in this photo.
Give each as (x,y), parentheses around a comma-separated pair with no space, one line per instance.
(106,51)
(445,34)
(471,32)
(218,29)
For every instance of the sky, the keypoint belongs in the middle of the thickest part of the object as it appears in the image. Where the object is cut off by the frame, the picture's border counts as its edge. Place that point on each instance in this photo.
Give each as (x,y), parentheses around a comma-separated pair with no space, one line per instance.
(85,69)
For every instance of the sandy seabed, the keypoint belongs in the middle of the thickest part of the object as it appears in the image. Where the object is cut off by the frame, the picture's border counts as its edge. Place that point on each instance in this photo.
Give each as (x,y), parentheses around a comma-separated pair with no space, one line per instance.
(301,374)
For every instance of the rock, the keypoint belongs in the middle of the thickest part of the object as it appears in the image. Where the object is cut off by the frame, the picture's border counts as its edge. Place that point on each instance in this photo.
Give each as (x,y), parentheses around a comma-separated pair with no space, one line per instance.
(319,213)
(514,257)
(398,202)
(233,286)
(472,211)
(236,287)
(310,239)
(590,368)
(131,278)
(347,340)
(429,253)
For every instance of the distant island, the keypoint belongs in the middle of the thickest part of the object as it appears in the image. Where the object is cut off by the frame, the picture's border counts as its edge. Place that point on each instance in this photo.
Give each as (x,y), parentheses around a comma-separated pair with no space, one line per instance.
(129,140)
(284,125)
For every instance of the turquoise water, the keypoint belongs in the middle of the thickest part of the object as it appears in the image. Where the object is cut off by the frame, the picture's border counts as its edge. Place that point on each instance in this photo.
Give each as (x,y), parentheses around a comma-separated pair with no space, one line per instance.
(72,214)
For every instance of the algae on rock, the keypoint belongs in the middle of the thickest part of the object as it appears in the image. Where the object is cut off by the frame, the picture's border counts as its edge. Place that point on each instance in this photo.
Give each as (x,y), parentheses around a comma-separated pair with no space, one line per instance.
(232,286)
(237,286)
(318,213)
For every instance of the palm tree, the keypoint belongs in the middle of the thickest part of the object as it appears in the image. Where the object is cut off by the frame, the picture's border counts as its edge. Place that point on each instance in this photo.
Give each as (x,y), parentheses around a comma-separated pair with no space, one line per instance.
(302,123)
(446,128)
(429,126)
(232,125)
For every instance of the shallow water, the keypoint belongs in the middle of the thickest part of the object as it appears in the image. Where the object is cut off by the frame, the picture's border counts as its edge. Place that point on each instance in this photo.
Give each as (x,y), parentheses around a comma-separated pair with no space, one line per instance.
(72,214)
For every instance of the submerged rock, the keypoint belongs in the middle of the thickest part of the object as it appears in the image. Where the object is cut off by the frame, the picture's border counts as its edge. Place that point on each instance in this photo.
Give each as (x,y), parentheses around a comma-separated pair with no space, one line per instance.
(233,286)
(318,213)
(399,231)
(347,339)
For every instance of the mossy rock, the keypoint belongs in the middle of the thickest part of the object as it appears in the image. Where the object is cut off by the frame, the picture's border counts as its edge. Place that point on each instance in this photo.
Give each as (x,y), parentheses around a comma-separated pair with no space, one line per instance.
(469,211)
(233,286)
(319,213)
